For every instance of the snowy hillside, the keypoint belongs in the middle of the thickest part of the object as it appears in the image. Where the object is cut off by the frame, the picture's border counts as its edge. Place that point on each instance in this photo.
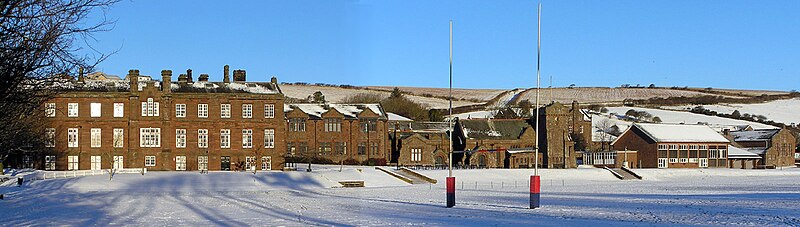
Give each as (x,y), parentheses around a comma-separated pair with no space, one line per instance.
(783,111)
(677,117)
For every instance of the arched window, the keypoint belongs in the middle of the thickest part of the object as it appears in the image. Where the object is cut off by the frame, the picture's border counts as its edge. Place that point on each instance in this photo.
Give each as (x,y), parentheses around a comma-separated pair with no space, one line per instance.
(482,161)
(439,160)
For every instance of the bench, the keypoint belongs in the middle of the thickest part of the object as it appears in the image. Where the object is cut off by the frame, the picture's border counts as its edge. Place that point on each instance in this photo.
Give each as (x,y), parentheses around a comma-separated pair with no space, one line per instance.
(352,184)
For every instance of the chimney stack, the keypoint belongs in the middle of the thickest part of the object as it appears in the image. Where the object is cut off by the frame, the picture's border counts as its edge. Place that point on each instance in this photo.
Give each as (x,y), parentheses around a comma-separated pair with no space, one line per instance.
(274,80)
(203,78)
(189,75)
(80,75)
(239,75)
(226,73)
(133,78)
(166,81)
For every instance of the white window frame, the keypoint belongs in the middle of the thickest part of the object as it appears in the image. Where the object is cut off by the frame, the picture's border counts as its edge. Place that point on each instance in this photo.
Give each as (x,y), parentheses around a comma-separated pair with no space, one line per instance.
(269,138)
(119,137)
(703,163)
(96,109)
(97,162)
(202,138)
(149,161)
(72,110)
(150,137)
(416,154)
(202,162)
(50,109)
(49,162)
(663,163)
(225,138)
(180,110)
(269,110)
(180,138)
(247,110)
(266,163)
(225,110)
(684,160)
(250,163)
(180,163)
(50,137)
(673,160)
(150,108)
(247,138)
(73,136)
(72,162)
(96,137)
(202,110)
(119,162)
(119,109)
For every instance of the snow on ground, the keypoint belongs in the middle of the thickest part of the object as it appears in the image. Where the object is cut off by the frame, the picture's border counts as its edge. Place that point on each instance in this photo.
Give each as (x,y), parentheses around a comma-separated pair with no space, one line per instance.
(499,197)
(670,116)
(784,111)
(458,93)
(602,95)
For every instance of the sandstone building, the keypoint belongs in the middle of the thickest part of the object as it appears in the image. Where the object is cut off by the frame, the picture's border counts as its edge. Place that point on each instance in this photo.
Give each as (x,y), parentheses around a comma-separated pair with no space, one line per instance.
(166,125)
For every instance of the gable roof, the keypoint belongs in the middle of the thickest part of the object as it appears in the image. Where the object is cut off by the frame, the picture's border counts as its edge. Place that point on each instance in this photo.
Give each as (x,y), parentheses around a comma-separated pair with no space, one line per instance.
(735,152)
(754,135)
(662,133)
(505,129)
(350,111)
(396,117)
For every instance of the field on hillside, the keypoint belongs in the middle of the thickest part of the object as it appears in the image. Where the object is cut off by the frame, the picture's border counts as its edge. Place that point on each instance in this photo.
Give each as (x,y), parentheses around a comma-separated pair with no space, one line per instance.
(784,111)
(458,93)
(493,197)
(602,95)
(337,94)
(677,117)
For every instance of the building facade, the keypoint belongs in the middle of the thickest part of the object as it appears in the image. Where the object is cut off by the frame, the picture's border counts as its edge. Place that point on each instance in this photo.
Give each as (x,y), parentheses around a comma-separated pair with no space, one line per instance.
(774,146)
(165,125)
(337,133)
(674,146)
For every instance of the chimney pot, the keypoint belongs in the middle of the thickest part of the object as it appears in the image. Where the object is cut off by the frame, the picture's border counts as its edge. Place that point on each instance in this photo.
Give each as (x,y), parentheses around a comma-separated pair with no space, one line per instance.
(203,77)
(189,75)
(166,81)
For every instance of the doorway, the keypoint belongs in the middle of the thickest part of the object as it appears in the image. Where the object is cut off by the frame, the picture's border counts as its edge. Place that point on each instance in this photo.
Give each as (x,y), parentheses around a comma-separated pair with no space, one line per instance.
(225,163)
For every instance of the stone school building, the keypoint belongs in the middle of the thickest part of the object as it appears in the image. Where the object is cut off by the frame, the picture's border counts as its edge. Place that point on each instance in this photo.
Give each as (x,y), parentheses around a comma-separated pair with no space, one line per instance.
(138,122)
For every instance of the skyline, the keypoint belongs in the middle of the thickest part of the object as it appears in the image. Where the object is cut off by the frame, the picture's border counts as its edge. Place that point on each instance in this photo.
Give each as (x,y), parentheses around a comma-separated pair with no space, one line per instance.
(405,43)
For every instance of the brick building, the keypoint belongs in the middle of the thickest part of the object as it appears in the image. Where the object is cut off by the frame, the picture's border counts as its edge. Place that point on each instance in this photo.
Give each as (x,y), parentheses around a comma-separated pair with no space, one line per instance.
(337,132)
(562,130)
(775,147)
(674,146)
(166,125)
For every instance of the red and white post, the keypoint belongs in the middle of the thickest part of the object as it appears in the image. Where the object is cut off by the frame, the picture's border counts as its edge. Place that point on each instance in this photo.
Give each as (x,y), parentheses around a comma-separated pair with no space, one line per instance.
(451,180)
(535,179)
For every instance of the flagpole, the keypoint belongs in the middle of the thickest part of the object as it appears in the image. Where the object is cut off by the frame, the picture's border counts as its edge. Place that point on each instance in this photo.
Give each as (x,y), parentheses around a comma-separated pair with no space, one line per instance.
(451,181)
(535,179)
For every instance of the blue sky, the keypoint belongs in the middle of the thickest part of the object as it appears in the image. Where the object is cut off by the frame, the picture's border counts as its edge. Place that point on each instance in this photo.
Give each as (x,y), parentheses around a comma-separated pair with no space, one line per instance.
(727,44)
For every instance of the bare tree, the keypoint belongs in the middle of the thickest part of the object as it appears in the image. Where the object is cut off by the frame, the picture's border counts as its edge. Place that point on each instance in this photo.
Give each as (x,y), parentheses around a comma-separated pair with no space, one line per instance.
(41,41)
(604,126)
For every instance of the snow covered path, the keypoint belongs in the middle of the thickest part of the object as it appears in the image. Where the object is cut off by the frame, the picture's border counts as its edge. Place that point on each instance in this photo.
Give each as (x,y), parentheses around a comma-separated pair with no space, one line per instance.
(484,197)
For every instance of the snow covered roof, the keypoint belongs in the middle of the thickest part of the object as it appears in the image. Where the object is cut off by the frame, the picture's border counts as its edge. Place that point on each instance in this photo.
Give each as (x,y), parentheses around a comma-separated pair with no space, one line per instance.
(521,150)
(679,133)
(396,117)
(735,152)
(600,136)
(348,110)
(494,128)
(754,135)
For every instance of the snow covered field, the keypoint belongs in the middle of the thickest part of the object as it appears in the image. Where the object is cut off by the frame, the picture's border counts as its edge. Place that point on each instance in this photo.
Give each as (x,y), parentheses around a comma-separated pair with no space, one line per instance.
(484,197)
(784,111)
(670,116)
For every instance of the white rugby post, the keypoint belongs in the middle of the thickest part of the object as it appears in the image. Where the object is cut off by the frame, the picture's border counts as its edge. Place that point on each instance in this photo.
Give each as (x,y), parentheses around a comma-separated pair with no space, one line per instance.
(535,179)
(451,180)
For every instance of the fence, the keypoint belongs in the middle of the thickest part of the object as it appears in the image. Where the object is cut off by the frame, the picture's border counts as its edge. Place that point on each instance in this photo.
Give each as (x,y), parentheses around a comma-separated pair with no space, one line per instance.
(44,175)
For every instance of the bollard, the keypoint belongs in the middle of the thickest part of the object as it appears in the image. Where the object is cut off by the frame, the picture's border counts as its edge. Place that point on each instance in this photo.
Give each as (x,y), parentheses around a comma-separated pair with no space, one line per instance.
(451,192)
(535,196)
